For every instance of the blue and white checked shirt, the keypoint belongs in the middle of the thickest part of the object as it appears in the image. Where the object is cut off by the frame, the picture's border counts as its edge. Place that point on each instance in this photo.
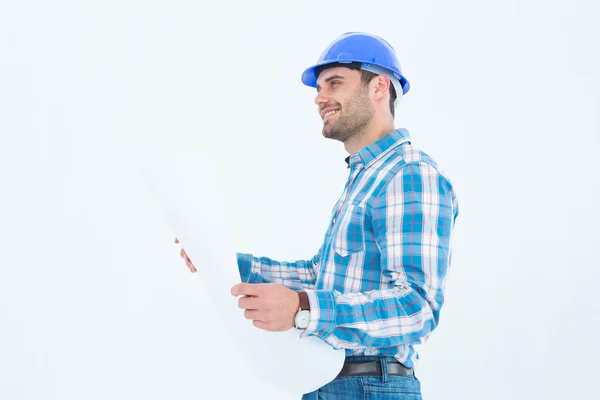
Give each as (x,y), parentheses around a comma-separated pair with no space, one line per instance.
(376,286)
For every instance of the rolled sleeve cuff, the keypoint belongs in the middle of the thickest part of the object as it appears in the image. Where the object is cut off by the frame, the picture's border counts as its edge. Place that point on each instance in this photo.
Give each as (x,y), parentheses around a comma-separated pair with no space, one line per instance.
(249,269)
(322,313)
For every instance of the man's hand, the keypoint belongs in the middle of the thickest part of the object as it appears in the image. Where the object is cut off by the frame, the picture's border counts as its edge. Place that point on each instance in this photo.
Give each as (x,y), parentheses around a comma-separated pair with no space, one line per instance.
(188,262)
(270,306)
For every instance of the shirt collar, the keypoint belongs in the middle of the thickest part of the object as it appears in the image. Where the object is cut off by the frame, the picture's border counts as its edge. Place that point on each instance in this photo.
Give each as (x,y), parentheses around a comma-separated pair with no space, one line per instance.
(377,149)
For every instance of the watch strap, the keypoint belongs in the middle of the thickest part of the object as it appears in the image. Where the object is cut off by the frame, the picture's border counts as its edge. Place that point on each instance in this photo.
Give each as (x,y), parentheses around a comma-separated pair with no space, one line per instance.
(304,303)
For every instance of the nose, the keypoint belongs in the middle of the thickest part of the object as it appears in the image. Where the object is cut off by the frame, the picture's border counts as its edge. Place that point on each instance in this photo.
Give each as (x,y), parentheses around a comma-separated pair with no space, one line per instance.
(320,98)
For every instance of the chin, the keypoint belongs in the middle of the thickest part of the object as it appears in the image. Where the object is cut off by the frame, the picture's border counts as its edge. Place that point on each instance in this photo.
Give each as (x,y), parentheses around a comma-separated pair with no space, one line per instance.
(326,133)
(328,128)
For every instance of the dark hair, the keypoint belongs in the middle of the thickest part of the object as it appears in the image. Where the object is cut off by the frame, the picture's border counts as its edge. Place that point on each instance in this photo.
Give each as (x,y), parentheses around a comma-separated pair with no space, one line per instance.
(365,78)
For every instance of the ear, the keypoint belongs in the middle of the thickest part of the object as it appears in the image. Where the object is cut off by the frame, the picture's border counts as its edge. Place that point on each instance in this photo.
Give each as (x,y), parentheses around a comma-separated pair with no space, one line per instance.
(381,86)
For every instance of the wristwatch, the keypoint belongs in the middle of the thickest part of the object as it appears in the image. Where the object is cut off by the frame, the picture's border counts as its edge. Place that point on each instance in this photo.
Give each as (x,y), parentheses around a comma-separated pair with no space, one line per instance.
(303,315)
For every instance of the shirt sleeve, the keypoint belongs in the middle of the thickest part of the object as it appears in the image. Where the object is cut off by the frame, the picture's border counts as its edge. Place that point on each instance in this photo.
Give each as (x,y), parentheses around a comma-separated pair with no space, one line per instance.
(294,275)
(412,221)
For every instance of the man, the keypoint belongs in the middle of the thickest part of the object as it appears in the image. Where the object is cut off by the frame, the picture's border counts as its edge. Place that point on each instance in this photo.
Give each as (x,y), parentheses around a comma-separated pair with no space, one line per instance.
(375,287)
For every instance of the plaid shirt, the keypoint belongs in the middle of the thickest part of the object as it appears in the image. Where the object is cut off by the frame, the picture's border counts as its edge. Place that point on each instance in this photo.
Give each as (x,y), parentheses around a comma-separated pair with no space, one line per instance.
(376,285)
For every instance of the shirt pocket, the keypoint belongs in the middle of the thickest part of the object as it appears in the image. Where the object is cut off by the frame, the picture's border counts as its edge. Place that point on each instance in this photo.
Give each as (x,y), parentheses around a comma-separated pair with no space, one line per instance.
(350,234)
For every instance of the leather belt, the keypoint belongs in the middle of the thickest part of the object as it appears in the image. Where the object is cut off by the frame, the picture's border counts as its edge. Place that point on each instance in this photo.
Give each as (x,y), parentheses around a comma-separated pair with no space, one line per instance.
(373,368)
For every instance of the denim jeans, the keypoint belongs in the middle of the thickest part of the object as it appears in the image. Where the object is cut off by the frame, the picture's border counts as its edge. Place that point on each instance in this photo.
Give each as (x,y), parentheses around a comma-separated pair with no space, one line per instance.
(383,387)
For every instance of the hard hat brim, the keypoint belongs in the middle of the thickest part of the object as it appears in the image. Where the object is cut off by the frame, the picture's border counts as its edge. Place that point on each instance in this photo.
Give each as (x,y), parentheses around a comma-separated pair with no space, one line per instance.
(309,76)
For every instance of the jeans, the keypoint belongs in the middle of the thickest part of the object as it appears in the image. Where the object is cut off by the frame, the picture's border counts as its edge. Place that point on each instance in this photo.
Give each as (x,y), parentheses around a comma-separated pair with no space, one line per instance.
(383,387)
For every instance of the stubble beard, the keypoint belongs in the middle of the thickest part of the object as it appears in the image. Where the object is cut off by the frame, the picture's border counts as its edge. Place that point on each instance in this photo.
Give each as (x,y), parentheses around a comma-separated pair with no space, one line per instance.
(354,117)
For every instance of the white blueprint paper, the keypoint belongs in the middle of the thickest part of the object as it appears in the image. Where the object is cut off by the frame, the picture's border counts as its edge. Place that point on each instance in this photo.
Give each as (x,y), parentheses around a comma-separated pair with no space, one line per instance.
(190,194)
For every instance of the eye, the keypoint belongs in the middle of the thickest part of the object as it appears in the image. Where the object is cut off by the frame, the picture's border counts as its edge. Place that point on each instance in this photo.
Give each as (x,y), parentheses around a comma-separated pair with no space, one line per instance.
(334,83)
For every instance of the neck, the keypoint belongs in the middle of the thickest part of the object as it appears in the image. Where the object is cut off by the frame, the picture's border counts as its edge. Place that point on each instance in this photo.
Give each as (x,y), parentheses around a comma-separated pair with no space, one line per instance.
(372,133)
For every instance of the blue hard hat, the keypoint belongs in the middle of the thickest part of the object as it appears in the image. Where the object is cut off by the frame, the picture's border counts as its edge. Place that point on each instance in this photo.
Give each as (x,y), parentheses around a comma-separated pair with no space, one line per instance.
(351,47)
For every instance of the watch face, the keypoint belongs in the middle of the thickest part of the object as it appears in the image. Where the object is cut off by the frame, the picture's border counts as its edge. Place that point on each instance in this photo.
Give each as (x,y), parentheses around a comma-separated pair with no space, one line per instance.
(302,319)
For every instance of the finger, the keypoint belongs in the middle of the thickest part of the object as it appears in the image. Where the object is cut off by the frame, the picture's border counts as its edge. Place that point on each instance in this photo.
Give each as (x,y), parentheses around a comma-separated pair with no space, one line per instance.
(246,289)
(182,253)
(261,325)
(176,240)
(190,266)
(248,303)
(253,315)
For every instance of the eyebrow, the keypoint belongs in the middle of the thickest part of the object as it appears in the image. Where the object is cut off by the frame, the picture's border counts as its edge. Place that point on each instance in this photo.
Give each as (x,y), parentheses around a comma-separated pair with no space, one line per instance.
(332,77)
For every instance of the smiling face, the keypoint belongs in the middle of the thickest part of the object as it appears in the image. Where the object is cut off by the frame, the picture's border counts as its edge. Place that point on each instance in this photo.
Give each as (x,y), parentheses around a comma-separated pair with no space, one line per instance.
(344,103)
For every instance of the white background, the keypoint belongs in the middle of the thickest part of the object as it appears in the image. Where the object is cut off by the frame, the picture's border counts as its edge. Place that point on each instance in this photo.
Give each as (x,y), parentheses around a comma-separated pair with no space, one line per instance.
(95,302)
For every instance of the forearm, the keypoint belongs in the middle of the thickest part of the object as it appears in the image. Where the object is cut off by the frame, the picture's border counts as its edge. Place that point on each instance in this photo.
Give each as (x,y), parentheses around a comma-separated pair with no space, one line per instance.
(380,318)
(294,275)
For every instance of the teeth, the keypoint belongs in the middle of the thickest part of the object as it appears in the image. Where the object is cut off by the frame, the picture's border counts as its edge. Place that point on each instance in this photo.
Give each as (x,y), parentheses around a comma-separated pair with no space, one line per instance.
(330,113)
